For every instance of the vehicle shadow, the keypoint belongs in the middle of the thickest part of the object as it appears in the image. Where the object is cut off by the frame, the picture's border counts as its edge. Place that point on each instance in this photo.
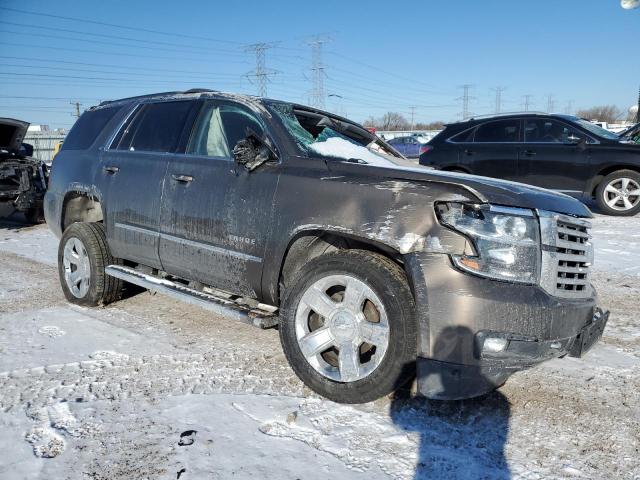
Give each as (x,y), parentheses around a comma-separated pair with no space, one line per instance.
(457,439)
(12,220)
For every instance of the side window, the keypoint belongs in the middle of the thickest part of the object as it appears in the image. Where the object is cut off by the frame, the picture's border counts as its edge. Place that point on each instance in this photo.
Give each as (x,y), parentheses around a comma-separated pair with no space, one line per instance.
(498,132)
(219,128)
(156,127)
(464,137)
(541,130)
(88,127)
(235,121)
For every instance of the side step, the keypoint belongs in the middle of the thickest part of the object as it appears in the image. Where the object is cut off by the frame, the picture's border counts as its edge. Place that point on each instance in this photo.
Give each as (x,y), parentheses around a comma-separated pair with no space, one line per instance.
(264,317)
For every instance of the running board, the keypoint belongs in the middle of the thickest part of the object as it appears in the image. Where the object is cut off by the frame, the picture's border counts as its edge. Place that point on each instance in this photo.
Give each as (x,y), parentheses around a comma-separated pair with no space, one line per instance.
(265,317)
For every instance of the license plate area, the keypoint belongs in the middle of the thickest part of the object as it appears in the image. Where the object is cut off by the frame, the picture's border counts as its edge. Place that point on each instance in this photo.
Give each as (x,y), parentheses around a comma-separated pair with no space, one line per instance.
(589,334)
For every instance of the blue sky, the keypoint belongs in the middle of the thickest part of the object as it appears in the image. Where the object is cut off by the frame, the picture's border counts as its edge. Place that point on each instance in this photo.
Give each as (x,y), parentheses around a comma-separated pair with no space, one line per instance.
(380,56)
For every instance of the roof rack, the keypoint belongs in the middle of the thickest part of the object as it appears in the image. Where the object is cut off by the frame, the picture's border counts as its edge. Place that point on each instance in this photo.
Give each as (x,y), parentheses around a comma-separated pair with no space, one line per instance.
(506,114)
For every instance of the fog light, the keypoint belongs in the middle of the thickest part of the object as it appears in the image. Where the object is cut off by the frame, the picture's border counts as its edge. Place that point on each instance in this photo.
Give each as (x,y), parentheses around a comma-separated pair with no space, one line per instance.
(494,344)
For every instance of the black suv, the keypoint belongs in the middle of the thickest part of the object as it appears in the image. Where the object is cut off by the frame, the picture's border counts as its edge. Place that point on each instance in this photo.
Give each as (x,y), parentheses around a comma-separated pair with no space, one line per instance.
(559,152)
(283,215)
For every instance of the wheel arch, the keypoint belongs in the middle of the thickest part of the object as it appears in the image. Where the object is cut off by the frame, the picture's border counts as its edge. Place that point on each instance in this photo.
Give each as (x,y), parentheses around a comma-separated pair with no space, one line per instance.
(598,177)
(305,245)
(80,206)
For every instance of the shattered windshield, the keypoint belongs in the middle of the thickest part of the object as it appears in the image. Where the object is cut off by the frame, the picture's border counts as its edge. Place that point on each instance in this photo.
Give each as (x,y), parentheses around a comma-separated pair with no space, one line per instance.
(319,135)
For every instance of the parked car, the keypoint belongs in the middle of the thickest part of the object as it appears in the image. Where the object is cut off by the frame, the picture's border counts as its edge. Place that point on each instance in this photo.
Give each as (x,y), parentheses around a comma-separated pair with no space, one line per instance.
(23,179)
(559,152)
(409,146)
(631,134)
(281,214)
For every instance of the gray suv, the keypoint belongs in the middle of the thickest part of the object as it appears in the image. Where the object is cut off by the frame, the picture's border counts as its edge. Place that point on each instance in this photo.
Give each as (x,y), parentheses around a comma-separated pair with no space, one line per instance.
(286,216)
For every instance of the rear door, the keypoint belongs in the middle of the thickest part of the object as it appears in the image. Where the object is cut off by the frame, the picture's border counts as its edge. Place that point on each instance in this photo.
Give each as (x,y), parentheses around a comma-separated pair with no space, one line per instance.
(555,155)
(491,149)
(133,171)
(216,216)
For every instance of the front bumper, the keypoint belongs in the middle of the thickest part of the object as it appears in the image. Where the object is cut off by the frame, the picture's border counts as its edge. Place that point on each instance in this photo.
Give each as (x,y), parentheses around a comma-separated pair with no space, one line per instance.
(457,311)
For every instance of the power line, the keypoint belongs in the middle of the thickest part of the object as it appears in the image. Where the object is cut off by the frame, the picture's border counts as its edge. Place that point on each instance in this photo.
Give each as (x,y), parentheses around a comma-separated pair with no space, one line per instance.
(317,70)
(466,98)
(498,104)
(261,73)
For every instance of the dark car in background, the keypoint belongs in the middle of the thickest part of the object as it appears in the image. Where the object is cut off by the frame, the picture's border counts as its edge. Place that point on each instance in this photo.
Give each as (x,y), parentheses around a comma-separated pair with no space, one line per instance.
(558,152)
(409,146)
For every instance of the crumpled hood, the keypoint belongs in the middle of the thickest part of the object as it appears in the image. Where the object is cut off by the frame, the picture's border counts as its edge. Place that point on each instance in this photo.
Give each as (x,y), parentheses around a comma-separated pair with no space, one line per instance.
(487,190)
(12,133)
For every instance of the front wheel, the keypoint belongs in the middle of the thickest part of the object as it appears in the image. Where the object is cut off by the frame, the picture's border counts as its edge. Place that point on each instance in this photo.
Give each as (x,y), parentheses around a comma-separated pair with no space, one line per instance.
(83,254)
(619,193)
(348,326)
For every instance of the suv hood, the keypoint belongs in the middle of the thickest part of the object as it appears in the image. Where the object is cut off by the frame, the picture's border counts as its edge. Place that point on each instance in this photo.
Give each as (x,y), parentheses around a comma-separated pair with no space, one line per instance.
(12,133)
(487,190)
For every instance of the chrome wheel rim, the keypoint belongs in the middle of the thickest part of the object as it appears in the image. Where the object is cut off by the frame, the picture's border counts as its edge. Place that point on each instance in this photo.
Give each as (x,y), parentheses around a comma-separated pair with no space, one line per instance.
(342,328)
(622,194)
(77,267)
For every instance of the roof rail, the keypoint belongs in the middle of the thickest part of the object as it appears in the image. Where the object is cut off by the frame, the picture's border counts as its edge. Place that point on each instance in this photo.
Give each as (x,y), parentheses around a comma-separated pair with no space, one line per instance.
(507,114)
(198,90)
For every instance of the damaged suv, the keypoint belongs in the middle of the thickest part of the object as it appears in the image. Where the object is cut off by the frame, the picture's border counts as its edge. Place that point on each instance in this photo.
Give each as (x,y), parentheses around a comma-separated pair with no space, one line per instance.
(284,215)
(23,179)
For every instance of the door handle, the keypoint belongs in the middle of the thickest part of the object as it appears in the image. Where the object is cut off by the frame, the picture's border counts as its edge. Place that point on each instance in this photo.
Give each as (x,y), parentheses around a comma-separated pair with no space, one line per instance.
(111,170)
(529,153)
(182,178)
(468,152)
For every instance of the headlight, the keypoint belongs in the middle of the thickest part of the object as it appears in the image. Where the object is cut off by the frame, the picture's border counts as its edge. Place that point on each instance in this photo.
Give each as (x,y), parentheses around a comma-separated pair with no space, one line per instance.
(505,241)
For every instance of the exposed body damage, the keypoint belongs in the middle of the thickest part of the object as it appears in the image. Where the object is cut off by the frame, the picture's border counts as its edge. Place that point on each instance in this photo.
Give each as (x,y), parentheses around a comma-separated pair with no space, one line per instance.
(250,225)
(23,179)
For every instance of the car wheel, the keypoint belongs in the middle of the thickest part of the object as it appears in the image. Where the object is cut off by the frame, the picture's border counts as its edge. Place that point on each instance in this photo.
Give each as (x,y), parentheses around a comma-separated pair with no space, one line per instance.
(83,254)
(619,193)
(348,327)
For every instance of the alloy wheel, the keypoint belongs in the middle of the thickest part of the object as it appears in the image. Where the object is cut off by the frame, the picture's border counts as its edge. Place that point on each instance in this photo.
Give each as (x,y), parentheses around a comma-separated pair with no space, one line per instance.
(622,194)
(77,267)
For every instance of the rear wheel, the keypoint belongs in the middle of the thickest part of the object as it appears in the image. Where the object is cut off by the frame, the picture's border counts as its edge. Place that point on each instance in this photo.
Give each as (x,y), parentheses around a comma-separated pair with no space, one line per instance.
(619,193)
(348,328)
(83,254)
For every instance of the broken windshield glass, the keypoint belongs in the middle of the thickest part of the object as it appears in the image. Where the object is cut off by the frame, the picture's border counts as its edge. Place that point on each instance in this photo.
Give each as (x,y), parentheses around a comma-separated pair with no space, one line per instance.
(314,138)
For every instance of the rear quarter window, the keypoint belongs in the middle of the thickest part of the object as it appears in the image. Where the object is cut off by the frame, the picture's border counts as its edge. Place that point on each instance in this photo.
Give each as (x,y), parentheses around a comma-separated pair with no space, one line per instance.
(88,127)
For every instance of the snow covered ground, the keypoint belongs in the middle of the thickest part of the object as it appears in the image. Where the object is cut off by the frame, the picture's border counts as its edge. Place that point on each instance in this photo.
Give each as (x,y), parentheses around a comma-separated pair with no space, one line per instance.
(151,388)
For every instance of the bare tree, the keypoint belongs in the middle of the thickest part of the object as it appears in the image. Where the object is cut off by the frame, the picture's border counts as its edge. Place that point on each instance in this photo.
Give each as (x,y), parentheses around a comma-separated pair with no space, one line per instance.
(437,125)
(603,113)
(393,121)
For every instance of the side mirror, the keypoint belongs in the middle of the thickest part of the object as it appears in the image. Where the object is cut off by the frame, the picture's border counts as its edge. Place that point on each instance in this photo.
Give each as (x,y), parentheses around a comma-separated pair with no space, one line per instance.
(26,149)
(253,151)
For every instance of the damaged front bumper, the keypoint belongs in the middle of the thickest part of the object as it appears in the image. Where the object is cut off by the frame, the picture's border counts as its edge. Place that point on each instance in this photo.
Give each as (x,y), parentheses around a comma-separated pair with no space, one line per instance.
(474,333)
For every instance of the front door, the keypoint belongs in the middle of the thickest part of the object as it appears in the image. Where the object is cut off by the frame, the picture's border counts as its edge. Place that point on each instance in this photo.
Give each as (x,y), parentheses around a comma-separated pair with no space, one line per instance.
(554,155)
(216,215)
(132,173)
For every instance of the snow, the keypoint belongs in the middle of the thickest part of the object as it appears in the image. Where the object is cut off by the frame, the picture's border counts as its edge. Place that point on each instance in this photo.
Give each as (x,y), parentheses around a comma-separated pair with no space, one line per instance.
(108,392)
(341,148)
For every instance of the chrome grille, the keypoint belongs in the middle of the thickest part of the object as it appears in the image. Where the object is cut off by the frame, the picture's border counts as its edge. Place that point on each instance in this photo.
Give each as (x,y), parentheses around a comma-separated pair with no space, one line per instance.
(567,255)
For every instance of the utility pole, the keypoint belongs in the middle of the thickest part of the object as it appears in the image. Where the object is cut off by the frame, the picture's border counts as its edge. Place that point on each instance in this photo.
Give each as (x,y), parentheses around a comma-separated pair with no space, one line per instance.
(499,91)
(569,108)
(317,71)
(261,73)
(527,102)
(551,104)
(413,114)
(77,112)
(465,98)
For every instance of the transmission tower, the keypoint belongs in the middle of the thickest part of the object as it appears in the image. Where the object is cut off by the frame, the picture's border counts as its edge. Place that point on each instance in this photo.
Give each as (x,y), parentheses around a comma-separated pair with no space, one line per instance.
(638,112)
(499,91)
(261,73)
(317,97)
(526,100)
(551,103)
(569,108)
(413,114)
(466,99)
(77,112)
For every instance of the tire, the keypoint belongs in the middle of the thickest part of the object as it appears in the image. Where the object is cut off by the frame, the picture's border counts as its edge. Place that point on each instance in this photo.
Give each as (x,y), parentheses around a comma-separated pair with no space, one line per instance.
(90,252)
(613,186)
(386,307)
